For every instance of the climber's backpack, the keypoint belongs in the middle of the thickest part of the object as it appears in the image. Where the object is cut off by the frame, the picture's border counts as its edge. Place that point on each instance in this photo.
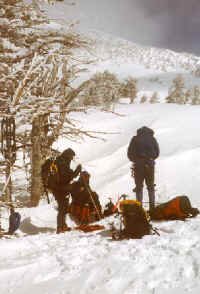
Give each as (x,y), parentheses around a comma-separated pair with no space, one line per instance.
(135,219)
(50,174)
(178,208)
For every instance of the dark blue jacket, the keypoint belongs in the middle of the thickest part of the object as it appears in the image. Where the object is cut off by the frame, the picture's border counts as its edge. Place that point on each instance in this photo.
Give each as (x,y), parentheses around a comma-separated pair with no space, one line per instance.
(143,146)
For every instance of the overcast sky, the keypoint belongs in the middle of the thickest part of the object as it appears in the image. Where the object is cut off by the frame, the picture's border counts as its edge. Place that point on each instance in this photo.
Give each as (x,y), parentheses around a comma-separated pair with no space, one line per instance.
(173,24)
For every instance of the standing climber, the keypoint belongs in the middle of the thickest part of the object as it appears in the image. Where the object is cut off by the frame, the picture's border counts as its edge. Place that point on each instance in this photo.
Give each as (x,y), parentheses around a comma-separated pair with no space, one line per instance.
(142,151)
(60,183)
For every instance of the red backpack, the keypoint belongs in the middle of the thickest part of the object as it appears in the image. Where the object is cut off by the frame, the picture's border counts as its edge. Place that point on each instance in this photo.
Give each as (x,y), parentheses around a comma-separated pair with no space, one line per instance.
(178,208)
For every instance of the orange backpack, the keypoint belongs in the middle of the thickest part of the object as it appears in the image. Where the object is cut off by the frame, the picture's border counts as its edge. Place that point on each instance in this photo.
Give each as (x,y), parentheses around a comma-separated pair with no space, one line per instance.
(82,214)
(175,209)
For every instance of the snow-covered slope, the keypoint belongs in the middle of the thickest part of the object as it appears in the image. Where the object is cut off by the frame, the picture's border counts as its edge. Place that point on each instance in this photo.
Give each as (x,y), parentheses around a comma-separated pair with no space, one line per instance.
(154,68)
(75,262)
(175,127)
(163,60)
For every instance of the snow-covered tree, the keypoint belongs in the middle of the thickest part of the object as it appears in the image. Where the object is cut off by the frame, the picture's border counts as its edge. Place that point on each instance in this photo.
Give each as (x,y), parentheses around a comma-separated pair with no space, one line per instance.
(176,93)
(189,96)
(37,66)
(129,89)
(154,98)
(102,90)
(143,99)
(195,96)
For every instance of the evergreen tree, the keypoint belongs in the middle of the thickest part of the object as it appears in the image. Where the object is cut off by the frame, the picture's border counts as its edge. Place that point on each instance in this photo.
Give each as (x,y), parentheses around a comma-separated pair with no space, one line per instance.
(143,99)
(129,89)
(176,93)
(195,99)
(154,98)
(102,90)
(189,94)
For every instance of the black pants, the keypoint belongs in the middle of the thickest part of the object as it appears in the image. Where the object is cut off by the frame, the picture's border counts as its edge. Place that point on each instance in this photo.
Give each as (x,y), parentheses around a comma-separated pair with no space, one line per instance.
(62,198)
(144,172)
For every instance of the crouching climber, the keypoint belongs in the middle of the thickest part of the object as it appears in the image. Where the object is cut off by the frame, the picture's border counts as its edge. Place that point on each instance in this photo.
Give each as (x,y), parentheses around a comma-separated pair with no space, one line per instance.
(85,207)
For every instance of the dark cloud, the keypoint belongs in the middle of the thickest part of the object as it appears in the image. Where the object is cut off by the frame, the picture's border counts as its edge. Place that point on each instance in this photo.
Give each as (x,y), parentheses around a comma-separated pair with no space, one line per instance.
(173,24)
(179,23)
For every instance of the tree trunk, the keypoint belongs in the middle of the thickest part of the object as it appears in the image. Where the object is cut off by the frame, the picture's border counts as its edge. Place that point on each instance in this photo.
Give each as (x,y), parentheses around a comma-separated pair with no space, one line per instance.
(8,193)
(36,161)
(41,142)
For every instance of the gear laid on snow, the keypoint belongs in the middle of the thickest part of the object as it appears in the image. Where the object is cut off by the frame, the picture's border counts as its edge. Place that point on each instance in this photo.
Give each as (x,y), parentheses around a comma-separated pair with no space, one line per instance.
(178,208)
(135,221)
(110,208)
(89,228)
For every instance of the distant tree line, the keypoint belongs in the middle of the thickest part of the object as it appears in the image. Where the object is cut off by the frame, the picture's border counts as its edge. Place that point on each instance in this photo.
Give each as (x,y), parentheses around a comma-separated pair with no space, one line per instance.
(179,94)
(104,90)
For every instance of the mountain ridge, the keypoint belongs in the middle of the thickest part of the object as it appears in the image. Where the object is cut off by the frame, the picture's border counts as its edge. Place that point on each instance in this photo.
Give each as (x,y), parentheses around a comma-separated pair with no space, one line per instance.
(160,59)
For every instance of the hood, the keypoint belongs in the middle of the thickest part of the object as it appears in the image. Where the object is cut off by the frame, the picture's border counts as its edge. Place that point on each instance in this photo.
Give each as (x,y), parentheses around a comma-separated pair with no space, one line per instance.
(68,154)
(145,131)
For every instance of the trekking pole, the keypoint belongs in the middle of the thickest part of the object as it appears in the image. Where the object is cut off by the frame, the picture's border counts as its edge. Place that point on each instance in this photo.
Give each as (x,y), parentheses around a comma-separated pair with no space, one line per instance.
(93,202)
(47,195)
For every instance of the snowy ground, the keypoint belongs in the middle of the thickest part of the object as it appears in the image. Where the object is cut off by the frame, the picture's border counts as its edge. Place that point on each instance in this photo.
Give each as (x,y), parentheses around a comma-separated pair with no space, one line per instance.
(45,263)
(75,262)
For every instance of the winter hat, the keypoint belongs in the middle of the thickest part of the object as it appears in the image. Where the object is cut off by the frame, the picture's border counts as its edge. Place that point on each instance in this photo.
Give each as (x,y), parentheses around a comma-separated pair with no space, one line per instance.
(84,173)
(68,153)
(145,131)
(84,176)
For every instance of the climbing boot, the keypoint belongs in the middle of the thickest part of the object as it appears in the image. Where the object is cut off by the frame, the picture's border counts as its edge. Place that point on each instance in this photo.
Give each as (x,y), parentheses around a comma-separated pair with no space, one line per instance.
(59,230)
(65,228)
